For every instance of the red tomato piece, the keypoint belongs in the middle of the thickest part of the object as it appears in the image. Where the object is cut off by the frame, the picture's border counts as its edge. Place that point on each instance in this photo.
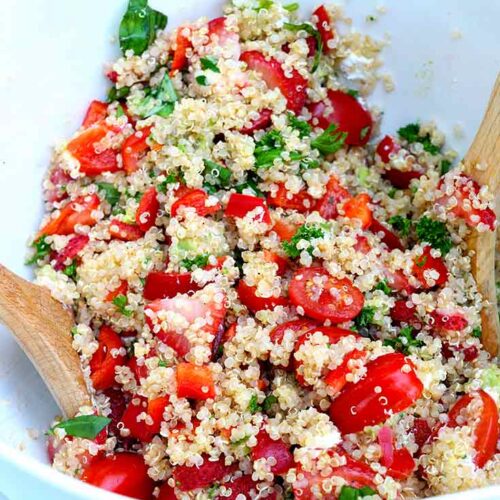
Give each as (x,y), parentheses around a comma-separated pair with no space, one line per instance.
(119,230)
(297,326)
(79,211)
(243,485)
(425,263)
(401,179)
(337,378)
(323,297)
(166,492)
(485,430)
(463,202)
(270,70)
(182,44)
(139,371)
(117,405)
(147,211)
(134,148)
(267,448)
(194,382)
(74,246)
(449,321)
(301,201)
(347,113)
(122,473)
(335,194)
(160,285)
(284,230)
(324,26)
(421,431)
(263,121)
(359,405)
(388,237)
(362,244)
(386,147)
(239,205)
(398,281)
(248,296)
(402,466)
(220,35)
(209,472)
(121,289)
(194,198)
(103,362)
(96,112)
(281,262)
(140,428)
(83,148)
(57,189)
(404,311)
(358,208)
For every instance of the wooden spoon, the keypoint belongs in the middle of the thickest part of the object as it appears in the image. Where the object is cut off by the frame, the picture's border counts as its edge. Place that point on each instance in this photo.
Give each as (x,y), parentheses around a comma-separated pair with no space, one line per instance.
(485,150)
(42,327)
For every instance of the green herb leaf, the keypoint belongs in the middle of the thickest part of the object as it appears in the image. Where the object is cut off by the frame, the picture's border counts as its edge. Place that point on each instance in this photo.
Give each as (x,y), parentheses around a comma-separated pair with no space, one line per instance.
(201,80)
(251,184)
(216,175)
(351,493)
(209,63)
(302,126)
(405,341)
(308,163)
(270,147)
(435,233)
(74,331)
(392,193)
(139,25)
(212,491)
(269,402)
(383,285)
(365,317)
(445,166)
(253,405)
(84,426)
(311,30)
(291,7)
(70,270)
(42,249)
(330,141)
(421,261)
(111,193)
(199,261)
(159,100)
(162,364)
(121,301)
(115,94)
(306,232)
(401,224)
(353,93)
(364,131)
(119,111)
(477,332)
(411,133)
(264,4)
(170,179)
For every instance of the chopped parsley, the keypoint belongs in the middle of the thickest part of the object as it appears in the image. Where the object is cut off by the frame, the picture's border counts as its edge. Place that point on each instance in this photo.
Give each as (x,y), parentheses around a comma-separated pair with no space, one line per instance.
(84,426)
(253,405)
(110,192)
(269,402)
(201,80)
(306,232)
(383,285)
(404,341)
(330,141)
(308,163)
(121,301)
(74,331)
(310,30)
(270,147)
(199,261)
(353,93)
(435,233)
(392,193)
(477,332)
(70,270)
(250,185)
(212,491)
(365,318)
(351,493)
(162,364)
(301,126)
(421,261)
(444,166)
(170,179)
(42,249)
(401,224)
(216,175)
(411,133)
(115,94)
(210,64)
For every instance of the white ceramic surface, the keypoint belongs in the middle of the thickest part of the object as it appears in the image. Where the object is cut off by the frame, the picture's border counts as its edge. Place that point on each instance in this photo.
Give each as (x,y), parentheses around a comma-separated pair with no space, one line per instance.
(51,58)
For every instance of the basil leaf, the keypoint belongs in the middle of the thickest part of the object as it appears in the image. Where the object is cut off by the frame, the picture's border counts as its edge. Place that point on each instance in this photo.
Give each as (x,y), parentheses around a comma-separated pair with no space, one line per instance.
(201,80)
(139,25)
(111,193)
(209,63)
(84,426)
(159,100)
(311,30)
(216,175)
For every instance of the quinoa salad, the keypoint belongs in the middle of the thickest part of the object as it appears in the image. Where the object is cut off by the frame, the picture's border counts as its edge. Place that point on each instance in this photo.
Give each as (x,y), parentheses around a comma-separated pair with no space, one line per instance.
(272,300)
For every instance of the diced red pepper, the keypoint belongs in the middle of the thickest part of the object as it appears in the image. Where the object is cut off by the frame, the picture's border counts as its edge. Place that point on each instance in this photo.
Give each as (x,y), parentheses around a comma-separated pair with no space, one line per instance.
(284,230)
(301,201)
(404,311)
(358,208)
(125,232)
(160,285)
(96,112)
(449,321)
(134,148)
(147,211)
(194,382)
(281,262)
(402,466)
(74,246)
(239,205)
(122,289)
(335,195)
(180,60)
(401,179)
(194,198)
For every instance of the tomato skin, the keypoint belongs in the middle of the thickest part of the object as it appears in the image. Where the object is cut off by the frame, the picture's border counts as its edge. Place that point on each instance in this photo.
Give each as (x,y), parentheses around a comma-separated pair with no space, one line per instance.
(388,237)
(74,246)
(242,485)
(401,179)
(486,430)
(121,289)
(324,306)
(82,148)
(139,371)
(249,298)
(240,204)
(260,123)
(192,478)
(284,230)
(404,311)
(335,194)
(102,363)
(386,147)
(78,211)
(194,198)
(324,26)
(160,285)
(147,211)
(180,60)
(403,465)
(274,258)
(191,379)
(452,321)
(358,405)
(421,431)
(301,201)
(426,262)
(96,112)
(267,447)
(358,208)
(122,231)
(347,114)
(297,326)
(336,379)
(166,492)
(140,429)
(133,149)
(123,473)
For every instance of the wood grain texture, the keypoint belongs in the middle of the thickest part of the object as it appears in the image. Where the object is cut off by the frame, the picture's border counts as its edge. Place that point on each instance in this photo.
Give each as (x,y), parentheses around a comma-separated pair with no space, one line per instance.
(485,150)
(42,327)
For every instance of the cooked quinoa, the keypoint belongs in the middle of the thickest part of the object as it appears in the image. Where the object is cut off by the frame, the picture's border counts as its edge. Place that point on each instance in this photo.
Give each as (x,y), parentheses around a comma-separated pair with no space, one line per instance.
(271,300)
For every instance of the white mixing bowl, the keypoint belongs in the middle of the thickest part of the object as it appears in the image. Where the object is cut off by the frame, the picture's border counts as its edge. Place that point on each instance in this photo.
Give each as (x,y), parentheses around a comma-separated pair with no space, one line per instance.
(444,57)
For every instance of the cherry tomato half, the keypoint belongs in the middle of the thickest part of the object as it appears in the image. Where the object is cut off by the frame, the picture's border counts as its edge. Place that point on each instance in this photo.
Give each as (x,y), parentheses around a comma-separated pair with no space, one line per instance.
(194,382)
(140,428)
(160,285)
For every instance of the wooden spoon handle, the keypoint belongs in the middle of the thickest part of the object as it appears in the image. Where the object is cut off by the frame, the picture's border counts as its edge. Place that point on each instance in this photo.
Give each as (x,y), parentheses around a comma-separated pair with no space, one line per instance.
(485,150)
(42,327)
